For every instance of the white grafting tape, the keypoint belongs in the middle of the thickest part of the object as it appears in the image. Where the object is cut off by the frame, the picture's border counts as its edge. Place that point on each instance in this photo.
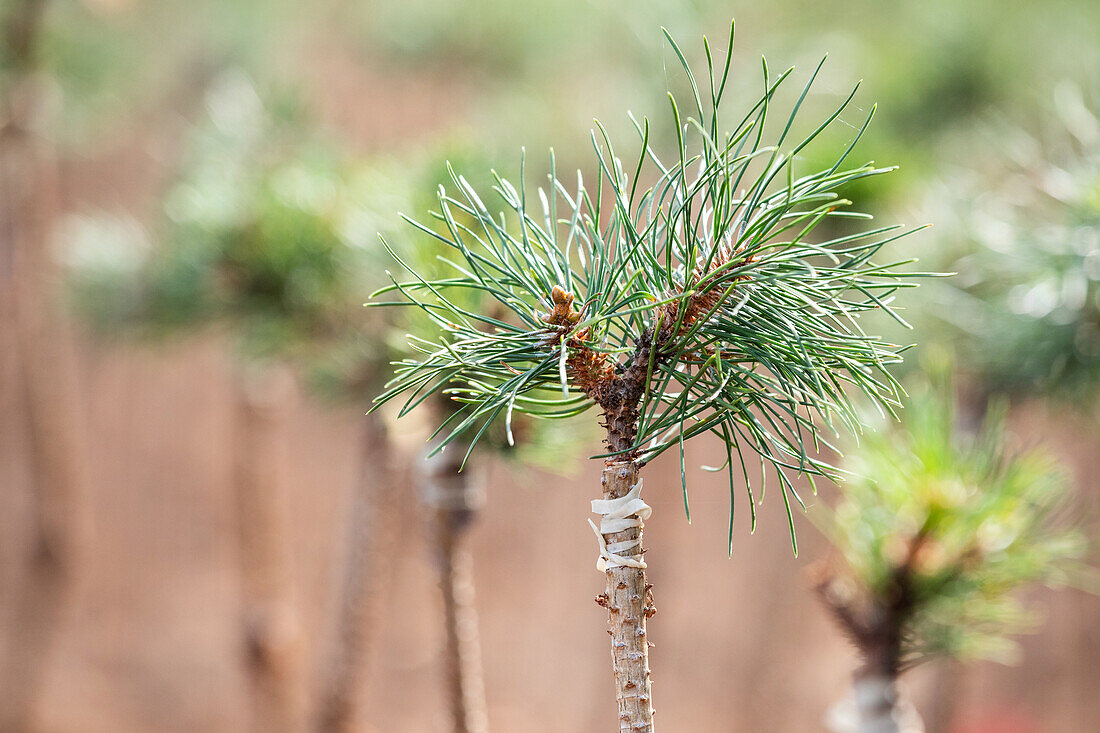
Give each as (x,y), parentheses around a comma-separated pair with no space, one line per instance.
(626,512)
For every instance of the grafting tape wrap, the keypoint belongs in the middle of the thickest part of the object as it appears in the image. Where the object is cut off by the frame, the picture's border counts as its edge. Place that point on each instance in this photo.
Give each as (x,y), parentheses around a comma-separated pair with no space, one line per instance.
(875,705)
(626,512)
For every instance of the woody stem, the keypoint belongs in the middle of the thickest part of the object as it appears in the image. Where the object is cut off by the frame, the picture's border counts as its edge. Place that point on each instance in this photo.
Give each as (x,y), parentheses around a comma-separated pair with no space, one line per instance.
(629,604)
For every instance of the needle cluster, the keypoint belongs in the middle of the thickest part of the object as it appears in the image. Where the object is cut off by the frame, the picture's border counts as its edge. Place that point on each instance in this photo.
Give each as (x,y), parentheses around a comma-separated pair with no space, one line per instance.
(717,290)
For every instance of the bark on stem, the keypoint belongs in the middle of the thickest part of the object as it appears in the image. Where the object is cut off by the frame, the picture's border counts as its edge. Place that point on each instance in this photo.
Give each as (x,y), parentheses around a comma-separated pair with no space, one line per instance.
(629,604)
(454,498)
(618,389)
(464,680)
(368,571)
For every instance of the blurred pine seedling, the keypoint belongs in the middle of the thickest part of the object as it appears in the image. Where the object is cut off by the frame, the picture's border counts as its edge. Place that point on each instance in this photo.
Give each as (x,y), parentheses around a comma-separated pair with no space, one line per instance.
(936,532)
(1024,237)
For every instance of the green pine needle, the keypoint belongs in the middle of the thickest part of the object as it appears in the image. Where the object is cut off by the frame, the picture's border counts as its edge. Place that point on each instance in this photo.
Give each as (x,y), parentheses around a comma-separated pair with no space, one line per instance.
(725,231)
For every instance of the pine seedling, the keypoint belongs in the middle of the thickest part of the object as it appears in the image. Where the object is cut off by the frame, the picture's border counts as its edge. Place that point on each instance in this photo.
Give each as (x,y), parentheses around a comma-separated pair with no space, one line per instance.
(938,531)
(265,238)
(679,298)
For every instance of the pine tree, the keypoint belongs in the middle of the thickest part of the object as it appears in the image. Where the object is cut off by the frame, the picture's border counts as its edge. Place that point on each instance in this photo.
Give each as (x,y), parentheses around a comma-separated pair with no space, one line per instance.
(677,296)
(938,530)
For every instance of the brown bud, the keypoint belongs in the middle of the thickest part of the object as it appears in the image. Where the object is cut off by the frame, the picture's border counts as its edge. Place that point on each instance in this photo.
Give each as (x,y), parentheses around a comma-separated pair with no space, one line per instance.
(560,297)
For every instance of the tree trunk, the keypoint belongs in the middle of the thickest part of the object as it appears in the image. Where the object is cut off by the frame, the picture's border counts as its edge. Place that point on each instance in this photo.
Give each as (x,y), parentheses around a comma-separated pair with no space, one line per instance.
(629,604)
(877,628)
(453,499)
(270,632)
(28,190)
(368,571)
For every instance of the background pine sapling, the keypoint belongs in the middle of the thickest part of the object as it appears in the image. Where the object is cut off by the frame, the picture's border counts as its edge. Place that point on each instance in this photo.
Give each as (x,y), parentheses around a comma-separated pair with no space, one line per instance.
(1018,219)
(938,529)
(679,296)
(1021,232)
(264,240)
(256,240)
